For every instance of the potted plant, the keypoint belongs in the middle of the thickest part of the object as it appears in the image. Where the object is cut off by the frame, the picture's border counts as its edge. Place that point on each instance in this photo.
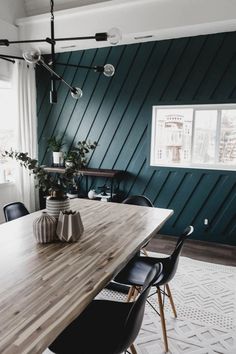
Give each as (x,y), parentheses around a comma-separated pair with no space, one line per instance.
(53,185)
(72,190)
(55,144)
(72,159)
(56,185)
(77,157)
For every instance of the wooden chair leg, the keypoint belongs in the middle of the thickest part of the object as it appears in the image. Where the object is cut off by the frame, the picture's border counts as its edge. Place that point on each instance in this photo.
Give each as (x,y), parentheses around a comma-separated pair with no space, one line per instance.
(144,252)
(163,322)
(133,350)
(171,300)
(136,292)
(130,293)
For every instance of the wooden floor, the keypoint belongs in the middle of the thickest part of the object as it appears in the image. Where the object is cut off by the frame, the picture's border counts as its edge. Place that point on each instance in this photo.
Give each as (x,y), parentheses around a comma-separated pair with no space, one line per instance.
(199,250)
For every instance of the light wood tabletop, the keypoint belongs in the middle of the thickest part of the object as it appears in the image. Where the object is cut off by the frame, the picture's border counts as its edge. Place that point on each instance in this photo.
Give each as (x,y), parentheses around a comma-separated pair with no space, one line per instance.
(44,287)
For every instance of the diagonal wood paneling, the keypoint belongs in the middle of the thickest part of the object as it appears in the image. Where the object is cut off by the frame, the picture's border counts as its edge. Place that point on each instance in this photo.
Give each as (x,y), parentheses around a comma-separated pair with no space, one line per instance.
(117,113)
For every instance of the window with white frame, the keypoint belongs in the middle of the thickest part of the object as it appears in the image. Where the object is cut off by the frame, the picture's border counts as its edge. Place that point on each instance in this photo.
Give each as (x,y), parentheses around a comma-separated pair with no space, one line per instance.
(194,136)
(7,130)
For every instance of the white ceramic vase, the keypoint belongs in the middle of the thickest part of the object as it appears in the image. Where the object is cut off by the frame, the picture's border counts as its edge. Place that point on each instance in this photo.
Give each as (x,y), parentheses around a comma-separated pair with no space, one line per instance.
(58,158)
(92,194)
(44,228)
(69,227)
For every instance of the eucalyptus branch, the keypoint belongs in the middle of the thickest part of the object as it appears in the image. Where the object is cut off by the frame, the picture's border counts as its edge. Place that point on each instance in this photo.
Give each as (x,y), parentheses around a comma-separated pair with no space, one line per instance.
(47,182)
(53,183)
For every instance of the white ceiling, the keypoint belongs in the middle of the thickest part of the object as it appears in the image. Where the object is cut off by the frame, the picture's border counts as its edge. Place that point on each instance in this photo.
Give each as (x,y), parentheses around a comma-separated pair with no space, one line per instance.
(138,20)
(36,7)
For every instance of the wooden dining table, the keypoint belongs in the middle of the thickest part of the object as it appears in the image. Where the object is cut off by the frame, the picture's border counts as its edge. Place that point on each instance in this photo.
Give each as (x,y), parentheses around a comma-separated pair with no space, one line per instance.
(44,287)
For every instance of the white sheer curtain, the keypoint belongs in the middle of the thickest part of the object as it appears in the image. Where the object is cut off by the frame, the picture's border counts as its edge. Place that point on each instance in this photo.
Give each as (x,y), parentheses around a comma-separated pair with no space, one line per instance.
(5,70)
(25,91)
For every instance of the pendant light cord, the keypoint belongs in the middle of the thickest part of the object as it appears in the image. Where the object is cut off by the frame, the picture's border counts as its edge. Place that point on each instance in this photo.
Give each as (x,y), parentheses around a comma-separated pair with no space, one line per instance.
(53,92)
(52,9)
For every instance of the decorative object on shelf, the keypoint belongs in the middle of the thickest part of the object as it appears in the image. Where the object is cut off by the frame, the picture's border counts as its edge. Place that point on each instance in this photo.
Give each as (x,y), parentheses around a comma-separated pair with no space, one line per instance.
(72,191)
(104,199)
(54,205)
(44,228)
(72,194)
(92,194)
(58,158)
(55,144)
(69,227)
(34,56)
(104,190)
(71,159)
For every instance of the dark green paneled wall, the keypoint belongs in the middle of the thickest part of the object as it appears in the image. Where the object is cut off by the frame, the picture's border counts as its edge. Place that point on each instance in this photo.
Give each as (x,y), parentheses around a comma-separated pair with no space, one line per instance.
(117,113)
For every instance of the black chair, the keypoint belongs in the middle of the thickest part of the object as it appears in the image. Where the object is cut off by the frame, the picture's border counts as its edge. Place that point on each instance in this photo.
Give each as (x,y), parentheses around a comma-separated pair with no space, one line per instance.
(135,272)
(105,326)
(14,210)
(140,200)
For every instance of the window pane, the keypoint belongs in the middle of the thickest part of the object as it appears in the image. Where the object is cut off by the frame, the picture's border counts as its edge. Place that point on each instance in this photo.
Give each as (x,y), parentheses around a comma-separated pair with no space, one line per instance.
(7,130)
(204,147)
(227,152)
(172,137)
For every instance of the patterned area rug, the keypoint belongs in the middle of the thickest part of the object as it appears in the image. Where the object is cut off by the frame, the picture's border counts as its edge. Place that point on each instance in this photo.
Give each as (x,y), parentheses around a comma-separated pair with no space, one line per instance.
(204,295)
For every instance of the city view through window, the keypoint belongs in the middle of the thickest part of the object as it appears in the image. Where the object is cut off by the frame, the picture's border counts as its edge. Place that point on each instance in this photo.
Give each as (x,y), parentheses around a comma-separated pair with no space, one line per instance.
(194,135)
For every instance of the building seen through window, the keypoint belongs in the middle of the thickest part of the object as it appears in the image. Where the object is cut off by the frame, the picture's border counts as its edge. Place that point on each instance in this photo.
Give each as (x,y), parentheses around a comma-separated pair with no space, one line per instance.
(194,136)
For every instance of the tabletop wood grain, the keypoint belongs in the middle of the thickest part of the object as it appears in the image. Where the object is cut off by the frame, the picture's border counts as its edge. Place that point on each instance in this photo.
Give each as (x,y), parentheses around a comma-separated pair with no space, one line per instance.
(43,287)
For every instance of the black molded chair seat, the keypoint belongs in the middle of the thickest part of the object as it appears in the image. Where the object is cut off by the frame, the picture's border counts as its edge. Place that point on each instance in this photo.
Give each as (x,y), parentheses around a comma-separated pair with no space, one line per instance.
(137,269)
(105,326)
(94,323)
(135,272)
(14,211)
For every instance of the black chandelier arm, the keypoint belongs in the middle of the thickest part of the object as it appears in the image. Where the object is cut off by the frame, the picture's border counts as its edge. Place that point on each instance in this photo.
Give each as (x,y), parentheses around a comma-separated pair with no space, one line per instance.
(41,62)
(34,56)
(101,36)
(6,42)
(97,68)
(11,56)
(7,59)
(52,41)
(98,37)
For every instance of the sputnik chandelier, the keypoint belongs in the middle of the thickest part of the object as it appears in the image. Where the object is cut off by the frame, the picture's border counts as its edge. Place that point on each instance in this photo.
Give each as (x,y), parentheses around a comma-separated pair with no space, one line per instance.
(35,57)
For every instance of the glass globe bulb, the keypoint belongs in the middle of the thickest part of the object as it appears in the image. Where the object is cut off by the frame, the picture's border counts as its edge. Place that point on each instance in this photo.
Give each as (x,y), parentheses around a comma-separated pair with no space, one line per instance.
(114,35)
(33,56)
(76,93)
(109,70)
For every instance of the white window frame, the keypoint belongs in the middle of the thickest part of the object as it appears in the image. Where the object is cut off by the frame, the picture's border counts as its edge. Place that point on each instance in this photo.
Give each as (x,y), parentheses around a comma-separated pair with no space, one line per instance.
(215,166)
